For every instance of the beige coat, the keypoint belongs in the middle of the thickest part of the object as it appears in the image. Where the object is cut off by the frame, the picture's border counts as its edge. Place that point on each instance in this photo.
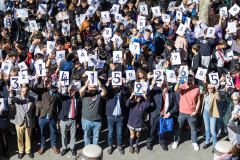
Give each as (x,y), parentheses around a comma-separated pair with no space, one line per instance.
(213,108)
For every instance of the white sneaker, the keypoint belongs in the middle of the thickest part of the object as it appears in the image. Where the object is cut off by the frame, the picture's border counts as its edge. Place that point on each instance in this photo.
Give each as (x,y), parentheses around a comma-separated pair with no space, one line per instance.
(195,146)
(175,145)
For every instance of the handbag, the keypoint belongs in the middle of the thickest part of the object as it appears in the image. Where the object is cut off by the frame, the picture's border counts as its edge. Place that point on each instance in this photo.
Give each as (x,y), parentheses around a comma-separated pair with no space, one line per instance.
(165,125)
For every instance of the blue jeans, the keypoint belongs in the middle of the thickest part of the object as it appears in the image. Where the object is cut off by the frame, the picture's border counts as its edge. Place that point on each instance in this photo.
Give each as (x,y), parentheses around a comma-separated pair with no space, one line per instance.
(192,121)
(53,131)
(89,127)
(112,121)
(210,128)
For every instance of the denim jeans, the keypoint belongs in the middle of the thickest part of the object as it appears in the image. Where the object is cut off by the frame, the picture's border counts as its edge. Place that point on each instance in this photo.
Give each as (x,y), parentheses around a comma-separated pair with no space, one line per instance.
(89,127)
(118,122)
(210,128)
(53,131)
(192,121)
(70,123)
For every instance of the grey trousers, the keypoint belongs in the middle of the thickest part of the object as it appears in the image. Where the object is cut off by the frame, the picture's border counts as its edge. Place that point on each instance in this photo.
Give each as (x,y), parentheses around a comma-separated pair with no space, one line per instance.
(64,128)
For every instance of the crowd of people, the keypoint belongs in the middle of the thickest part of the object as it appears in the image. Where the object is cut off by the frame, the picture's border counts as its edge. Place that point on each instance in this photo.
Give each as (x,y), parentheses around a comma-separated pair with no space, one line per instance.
(148,66)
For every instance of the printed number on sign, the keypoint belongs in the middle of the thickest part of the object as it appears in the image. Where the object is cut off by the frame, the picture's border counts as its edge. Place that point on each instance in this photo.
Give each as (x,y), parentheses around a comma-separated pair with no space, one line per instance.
(116,78)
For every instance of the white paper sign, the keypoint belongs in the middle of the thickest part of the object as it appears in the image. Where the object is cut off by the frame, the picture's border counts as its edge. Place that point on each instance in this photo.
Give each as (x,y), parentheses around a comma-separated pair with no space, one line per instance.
(6,67)
(82,55)
(7,22)
(138,88)
(223,12)
(183,73)
(187,22)
(141,23)
(14,83)
(22,66)
(80,19)
(211,32)
(130,75)
(42,8)
(181,29)
(179,15)
(232,27)
(23,77)
(143,9)
(92,60)
(116,78)
(33,26)
(22,13)
(214,78)
(107,32)
(171,6)
(65,29)
(158,75)
(156,11)
(100,63)
(117,56)
(50,46)
(105,15)
(166,18)
(201,74)
(40,68)
(117,39)
(92,77)
(64,78)
(1,105)
(171,76)
(175,58)
(229,81)
(122,1)
(234,10)
(115,9)
(230,53)
(134,48)
(91,10)
(60,55)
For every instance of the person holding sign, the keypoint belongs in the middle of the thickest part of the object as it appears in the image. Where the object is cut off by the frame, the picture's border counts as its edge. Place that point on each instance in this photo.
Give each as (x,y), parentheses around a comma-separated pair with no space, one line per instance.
(210,115)
(165,106)
(68,118)
(137,105)
(115,111)
(46,111)
(196,60)
(189,105)
(23,120)
(91,111)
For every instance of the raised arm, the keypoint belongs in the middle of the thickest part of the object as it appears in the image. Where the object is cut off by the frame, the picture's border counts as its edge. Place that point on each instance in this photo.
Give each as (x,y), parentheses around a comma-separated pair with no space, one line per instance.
(83,89)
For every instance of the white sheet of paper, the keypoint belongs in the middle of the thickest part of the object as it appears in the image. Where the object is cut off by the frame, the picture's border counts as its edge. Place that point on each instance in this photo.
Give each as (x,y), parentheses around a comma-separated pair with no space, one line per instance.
(22,66)
(107,32)
(6,67)
(50,46)
(115,8)
(214,78)
(42,8)
(105,15)
(23,77)
(183,73)
(201,74)
(141,23)
(234,10)
(138,88)
(211,32)
(92,77)
(171,76)
(179,15)
(116,78)
(15,83)
(134,48)
(230,53)
(80,19)
(91,11)
(92,60)
(171,6)
(40,68)
(166,18)
(1,105)
(100,64)
(130,75)
(64,78)
(117,56)
(65,29)
(143,9)
(33,26)
(232,27)
(181,29)
(22,13)
(175,58)
(158,75)
(82,55)
(223,12)
(187,22)
(7,22)
(156,11)
(117,39)
(229,81)
(60,55)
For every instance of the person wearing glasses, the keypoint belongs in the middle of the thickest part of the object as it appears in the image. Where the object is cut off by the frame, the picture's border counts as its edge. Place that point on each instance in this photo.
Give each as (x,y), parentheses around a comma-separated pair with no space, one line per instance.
(210,114)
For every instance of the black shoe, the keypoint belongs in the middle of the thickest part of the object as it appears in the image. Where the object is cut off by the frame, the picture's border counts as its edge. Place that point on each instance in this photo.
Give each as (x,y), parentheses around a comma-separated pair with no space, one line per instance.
(120,149)
(149,147)
(74,152)
(30,155)
(64,151)
(110,150)
(131,150)
(164,147)
(20,155)
(136,149)
(206,146)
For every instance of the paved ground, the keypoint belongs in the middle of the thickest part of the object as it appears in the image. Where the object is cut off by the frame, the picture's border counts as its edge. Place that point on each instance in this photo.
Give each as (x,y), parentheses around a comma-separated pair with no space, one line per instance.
(183,152)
